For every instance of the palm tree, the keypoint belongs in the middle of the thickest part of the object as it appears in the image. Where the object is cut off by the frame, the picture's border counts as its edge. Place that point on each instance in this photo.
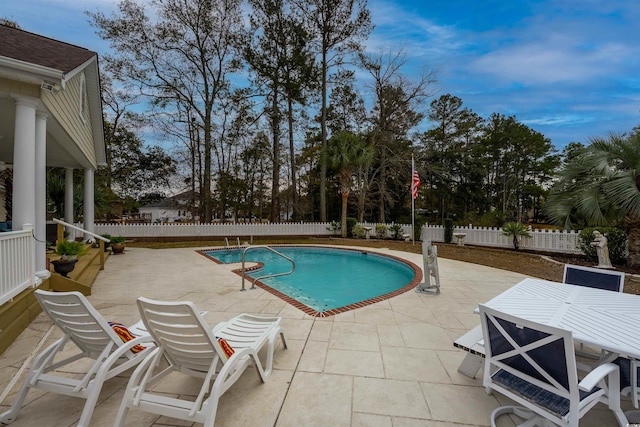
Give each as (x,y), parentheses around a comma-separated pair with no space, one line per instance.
(516,230)
(601,186)
(345,152)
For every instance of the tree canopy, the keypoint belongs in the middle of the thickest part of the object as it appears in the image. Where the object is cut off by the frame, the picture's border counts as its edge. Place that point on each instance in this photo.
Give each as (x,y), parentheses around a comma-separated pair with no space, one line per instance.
(247,98)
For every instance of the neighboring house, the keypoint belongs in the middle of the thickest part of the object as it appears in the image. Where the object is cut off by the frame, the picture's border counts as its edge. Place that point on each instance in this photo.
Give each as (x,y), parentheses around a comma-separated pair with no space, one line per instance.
(171,209)
(50,116)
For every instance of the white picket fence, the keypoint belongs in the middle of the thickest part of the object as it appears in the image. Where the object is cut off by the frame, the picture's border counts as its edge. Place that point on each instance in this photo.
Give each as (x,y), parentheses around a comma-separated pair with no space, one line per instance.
(540,240)
(16,263)
(222,230)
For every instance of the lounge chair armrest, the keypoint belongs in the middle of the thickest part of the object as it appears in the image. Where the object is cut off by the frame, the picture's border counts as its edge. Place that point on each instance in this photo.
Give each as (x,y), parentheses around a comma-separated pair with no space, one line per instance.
(595,376)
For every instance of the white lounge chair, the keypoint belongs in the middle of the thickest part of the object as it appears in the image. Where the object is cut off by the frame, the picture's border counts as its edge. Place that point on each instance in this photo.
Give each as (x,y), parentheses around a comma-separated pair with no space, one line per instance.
(218,356)
(535,365)
(95,339)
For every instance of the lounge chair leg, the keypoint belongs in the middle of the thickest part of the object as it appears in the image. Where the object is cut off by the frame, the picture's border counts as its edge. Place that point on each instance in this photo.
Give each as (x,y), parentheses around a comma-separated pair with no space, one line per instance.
(122,413)
(10,416)
(89,406)
(38,364)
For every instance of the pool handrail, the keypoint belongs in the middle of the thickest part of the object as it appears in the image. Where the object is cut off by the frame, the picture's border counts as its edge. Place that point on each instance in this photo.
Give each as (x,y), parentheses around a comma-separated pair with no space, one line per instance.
(226,242)
(253,285)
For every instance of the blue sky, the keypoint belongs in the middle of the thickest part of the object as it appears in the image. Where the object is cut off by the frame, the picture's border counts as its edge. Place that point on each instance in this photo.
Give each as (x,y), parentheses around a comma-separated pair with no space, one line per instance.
(569,69)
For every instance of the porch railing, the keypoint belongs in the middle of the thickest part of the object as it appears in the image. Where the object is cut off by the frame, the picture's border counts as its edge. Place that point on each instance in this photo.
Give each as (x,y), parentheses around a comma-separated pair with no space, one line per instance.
(16,263)
(100,239)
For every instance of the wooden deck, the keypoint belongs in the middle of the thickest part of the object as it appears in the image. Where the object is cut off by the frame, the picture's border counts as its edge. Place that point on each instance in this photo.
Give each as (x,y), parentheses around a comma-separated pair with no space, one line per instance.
(83,275)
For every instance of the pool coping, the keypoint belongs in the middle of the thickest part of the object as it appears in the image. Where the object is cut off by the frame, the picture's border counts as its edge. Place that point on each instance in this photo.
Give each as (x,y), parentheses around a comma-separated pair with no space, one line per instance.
(417,278)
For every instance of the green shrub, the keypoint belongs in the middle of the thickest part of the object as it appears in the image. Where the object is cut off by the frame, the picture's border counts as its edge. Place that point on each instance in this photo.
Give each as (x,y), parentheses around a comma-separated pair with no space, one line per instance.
(396,231)
(382,231)
(70,248)
(117,239)
(616,239)
(351,222)
(335,227)
(417,227)
(448,230)
(359,232)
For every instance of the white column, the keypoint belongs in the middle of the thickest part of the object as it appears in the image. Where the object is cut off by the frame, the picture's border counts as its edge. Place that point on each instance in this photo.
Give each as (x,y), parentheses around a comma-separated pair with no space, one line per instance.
(40,231)
(24,162)
(68,198)
(89,205)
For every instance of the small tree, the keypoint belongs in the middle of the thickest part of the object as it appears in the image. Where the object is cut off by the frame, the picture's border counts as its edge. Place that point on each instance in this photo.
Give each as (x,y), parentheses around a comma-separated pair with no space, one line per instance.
(396,231)
(516,230)
(345,153)
(448,230)
(351,222)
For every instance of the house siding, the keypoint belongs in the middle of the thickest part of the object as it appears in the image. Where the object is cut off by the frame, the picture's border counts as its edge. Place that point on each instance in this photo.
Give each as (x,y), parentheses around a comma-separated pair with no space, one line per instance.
(19,88)
(64,106)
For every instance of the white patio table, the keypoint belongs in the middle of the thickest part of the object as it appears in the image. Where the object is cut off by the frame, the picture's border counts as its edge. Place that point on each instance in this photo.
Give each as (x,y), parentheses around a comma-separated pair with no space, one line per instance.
(603,319)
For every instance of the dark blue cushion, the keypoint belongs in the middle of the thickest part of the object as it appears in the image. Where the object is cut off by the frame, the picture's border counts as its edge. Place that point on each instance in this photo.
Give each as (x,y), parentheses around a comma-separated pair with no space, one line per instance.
(625,372)
(541,397)
(593,279)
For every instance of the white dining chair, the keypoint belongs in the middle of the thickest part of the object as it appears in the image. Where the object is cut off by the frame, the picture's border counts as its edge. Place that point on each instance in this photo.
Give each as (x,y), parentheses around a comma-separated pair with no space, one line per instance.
(535,366)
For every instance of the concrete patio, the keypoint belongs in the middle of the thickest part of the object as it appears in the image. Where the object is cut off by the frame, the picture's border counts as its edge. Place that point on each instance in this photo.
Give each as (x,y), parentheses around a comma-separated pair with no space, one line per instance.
(387,364)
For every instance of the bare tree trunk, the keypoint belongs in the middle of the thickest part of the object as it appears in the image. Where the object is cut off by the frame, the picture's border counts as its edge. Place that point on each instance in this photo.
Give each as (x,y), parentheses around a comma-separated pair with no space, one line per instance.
(323,127)
(345,199)
(292,155)
(275,182)
(206,187)
(383,189)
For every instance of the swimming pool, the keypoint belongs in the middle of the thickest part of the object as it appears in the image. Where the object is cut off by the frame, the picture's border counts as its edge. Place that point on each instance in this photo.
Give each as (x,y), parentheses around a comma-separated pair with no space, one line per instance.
(326,281)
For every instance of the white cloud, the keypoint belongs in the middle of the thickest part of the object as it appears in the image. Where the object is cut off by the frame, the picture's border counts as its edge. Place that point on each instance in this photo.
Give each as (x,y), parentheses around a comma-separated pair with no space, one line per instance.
(397,27)
(556,59)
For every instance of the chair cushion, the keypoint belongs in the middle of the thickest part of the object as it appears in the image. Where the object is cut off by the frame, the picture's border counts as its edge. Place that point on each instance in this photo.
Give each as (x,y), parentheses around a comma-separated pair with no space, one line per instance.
(537,395)
(226,347)
(625,372)
(126,335)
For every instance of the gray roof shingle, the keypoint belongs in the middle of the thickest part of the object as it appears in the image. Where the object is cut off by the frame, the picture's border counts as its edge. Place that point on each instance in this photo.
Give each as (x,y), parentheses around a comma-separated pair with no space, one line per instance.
(39,50)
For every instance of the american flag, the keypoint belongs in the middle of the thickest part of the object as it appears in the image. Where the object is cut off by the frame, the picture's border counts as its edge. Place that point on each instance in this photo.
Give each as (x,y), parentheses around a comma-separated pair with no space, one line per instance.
(415,183)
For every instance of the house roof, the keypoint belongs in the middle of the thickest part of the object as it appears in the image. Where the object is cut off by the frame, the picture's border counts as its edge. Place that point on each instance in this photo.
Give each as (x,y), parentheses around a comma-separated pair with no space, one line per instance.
(179,201)
(35,49)
(38,60)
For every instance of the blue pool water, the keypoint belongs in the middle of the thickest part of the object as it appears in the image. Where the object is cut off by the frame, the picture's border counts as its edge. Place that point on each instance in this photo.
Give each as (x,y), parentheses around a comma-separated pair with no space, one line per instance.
(325,278)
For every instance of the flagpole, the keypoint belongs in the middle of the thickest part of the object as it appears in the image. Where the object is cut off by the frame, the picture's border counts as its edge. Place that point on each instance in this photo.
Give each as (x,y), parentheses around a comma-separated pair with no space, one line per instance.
(413,205)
